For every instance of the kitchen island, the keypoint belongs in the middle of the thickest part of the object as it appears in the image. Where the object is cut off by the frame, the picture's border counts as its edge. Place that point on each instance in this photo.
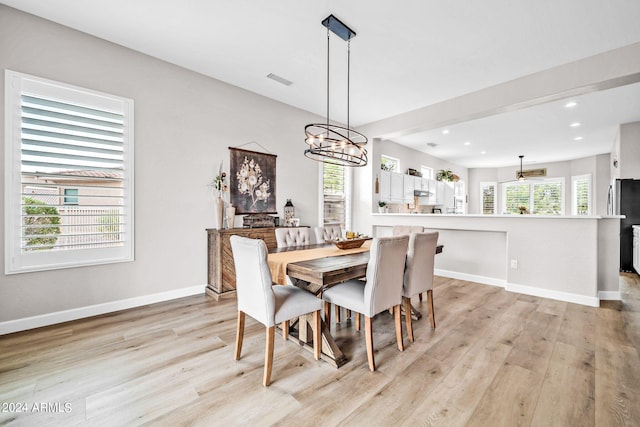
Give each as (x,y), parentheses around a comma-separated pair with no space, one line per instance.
(568,258)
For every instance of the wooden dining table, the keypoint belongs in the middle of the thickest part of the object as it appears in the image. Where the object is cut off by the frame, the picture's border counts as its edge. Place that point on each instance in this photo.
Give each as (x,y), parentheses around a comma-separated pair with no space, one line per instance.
(316,268)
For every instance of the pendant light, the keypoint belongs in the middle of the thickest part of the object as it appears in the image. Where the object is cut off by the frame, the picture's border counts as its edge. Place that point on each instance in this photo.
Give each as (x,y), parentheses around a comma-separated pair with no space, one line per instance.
(520,174)
(331,143)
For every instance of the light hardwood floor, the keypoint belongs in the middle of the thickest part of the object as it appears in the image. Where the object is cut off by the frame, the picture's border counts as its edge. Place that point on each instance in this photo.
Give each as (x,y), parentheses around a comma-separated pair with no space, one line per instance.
(496,358)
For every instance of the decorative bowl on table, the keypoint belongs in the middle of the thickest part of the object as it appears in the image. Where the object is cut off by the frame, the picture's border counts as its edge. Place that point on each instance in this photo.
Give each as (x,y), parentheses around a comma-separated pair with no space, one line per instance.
(351,243)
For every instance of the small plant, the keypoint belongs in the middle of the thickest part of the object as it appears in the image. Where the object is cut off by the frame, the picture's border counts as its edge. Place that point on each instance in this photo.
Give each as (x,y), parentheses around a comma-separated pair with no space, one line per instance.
(382,204)
(445,175)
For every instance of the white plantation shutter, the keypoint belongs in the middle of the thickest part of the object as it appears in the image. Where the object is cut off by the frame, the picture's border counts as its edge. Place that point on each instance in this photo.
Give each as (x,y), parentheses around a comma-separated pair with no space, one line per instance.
(540,197)
(581,195)
(69,199)
(336,195)
(488,197)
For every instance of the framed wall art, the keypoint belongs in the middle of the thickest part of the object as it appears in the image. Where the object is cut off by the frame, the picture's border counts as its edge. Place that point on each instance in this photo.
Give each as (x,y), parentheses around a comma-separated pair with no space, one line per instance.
(252,181)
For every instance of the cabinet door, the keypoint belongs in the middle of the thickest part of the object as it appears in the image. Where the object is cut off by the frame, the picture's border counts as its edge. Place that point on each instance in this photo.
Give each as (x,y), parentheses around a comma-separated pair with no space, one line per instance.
(385,186)
(409,185)
(397,188)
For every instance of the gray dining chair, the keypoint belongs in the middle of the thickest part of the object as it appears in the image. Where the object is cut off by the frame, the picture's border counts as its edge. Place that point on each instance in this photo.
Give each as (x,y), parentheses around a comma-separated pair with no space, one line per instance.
(327,233)
(266,302)
(381,291)
(287,237)
(418,274)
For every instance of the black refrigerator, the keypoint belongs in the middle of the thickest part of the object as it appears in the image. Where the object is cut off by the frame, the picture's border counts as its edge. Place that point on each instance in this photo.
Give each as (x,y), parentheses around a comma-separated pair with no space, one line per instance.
(627,204)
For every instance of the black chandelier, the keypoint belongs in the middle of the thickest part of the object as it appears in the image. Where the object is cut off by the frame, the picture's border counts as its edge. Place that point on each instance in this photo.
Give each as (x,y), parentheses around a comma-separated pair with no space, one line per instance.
(331,143)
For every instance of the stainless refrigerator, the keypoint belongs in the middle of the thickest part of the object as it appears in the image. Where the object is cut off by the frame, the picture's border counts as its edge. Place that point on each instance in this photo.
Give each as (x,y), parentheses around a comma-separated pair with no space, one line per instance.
(627,197)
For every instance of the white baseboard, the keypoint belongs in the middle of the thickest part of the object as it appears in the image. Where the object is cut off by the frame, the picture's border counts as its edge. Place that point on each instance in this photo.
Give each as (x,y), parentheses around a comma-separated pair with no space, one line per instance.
(94,310)
(529,290)
(470,277)
(557,295)
(609,295)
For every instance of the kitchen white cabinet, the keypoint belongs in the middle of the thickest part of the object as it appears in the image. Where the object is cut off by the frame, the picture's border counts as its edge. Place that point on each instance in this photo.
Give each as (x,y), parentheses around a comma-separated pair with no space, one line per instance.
(409,184)
(385,186)
(397,188)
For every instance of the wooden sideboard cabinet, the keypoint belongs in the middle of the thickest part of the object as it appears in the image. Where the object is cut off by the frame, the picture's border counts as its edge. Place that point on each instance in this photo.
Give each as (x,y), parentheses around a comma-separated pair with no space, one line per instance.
(220,267)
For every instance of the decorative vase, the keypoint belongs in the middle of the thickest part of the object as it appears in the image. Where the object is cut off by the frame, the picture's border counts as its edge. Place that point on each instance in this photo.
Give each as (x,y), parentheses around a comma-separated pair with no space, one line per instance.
(289,213)
(218,212)
(231,215)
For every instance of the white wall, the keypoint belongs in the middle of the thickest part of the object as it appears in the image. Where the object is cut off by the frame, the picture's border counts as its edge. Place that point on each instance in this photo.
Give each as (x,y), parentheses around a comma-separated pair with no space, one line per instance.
(630,150)
(184,124)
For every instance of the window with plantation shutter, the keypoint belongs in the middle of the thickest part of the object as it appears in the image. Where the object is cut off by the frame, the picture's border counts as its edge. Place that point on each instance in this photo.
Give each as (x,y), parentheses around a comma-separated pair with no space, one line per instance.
(336,192)
(69,188)
(539,197)
(581,195)
(488,197)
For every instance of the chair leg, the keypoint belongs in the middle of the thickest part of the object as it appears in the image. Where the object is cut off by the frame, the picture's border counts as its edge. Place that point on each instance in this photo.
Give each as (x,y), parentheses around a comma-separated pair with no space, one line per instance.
(285,330)
(369,340)
(327,314)
(407,317)
(317,335)
(398,318)
(358,327)
(348,315)
(420,296)
(239,334)
(432,316)
(337,314)
(268,356)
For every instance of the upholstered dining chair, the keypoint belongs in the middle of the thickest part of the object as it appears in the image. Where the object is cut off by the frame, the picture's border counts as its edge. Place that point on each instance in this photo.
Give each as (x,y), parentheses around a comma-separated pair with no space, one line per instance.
(418,274)
(327,233)
(266,302)
(382,290)
(292,236)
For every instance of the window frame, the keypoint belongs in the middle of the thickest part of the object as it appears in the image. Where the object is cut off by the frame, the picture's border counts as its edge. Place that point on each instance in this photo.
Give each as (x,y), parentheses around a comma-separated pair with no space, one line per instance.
(483,185)
(16,260)
(428,170)
(574,199)
(347,189)
(395,161)
(532,183)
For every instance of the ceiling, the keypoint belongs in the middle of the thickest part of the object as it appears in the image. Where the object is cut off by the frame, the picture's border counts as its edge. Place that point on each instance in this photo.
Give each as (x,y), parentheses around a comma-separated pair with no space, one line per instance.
(403,58)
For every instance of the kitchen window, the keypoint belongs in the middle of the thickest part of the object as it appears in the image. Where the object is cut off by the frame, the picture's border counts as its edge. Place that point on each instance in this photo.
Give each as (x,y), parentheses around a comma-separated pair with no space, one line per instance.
(581,195)
(539,197)
(426,172)
(390,164)
(488,198)
(69,176)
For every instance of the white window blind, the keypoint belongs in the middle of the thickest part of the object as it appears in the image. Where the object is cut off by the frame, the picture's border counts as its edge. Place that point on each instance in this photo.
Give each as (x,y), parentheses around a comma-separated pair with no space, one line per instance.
(488,198)
(581,195)
(67,137)
(336,191)
(540,197)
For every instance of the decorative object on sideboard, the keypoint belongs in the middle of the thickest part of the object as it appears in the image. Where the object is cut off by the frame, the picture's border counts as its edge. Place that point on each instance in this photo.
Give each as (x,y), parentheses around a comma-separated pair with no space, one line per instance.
(253,187)
(218,187)
(382,206)
(230,216)
(258,221)
(289,213)
(328,142)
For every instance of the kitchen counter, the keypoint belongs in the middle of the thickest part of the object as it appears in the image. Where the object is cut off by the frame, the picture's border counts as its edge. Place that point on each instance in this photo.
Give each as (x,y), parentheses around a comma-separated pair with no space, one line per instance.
(569,258)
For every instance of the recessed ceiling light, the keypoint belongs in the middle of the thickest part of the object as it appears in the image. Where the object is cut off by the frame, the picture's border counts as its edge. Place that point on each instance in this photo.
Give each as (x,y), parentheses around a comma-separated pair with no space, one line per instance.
(578,138)
(483,152)
(467,143)
(575,124)
(570,104)
(432,144)
(446,131)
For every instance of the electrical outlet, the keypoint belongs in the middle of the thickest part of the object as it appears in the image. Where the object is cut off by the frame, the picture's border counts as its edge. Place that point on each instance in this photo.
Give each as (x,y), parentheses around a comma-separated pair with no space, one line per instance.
(514,263)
